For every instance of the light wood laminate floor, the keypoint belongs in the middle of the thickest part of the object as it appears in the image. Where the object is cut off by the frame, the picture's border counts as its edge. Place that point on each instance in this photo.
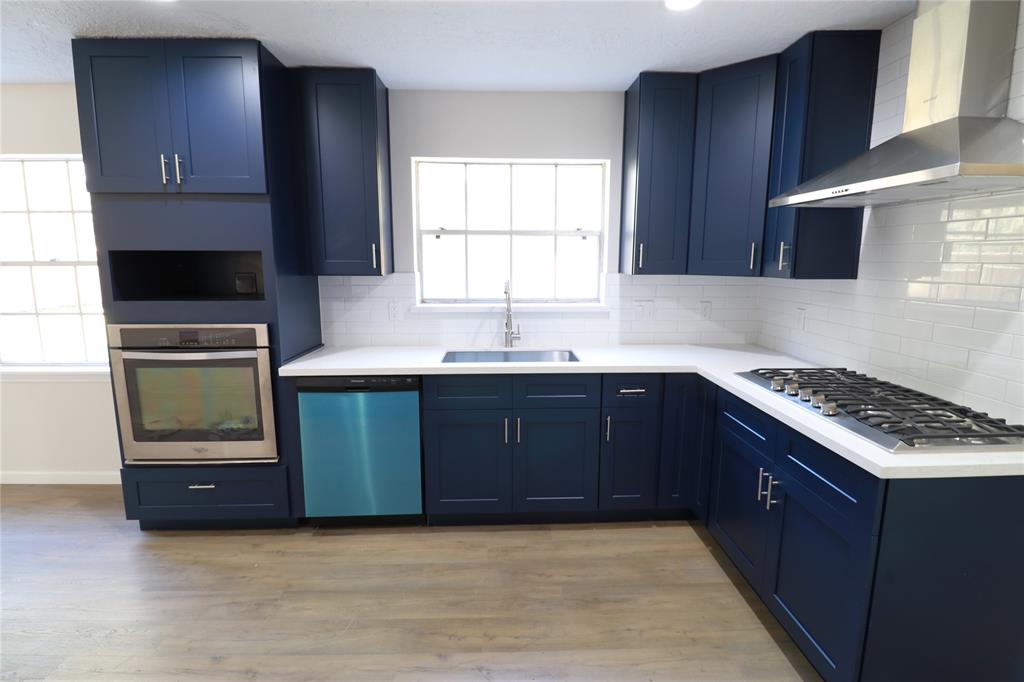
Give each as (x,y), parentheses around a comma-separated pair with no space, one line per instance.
(87,596)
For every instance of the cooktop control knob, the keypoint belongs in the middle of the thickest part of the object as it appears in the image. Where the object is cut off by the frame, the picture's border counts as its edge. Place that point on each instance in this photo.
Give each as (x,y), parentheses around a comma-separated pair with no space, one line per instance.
(805,394)
(792,388)
(778,383)
(829,408)
(817,399)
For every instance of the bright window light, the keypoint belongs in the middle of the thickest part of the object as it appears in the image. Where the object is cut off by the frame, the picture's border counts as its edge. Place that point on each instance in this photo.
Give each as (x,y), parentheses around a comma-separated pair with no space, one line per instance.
(50,307)
(539,224)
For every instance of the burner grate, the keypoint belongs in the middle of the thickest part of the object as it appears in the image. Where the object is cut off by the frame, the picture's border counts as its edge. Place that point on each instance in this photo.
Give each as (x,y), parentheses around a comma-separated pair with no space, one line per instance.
(915,418)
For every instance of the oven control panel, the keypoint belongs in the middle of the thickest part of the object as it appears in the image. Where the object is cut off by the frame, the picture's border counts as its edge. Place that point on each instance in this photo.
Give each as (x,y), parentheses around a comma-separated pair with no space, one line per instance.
(189,337)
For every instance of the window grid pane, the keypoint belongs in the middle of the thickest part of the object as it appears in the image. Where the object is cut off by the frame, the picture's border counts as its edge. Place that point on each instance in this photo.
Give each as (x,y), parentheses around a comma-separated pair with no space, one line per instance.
(539,224)
(50,305)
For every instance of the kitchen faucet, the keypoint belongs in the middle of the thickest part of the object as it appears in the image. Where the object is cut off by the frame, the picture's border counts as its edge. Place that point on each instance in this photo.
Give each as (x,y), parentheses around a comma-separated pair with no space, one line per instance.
(511,336)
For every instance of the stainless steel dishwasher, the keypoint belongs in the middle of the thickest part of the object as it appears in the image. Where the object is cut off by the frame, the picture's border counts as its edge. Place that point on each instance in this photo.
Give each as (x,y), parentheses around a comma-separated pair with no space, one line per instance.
(360,445)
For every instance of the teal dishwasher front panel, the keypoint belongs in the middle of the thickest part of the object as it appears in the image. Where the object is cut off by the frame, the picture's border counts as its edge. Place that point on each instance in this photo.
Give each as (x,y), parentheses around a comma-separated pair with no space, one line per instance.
(360,453)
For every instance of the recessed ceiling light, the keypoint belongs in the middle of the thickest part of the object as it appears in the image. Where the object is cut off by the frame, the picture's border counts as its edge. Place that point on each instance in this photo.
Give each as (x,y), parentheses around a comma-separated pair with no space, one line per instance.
(681,5)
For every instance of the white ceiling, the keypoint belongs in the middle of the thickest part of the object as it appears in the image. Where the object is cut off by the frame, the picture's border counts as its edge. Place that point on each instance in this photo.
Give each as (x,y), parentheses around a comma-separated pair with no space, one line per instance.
(479,45)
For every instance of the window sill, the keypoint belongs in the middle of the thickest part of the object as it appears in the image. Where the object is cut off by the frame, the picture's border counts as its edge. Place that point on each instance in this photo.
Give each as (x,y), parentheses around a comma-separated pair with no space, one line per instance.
(498,308)
(50,373)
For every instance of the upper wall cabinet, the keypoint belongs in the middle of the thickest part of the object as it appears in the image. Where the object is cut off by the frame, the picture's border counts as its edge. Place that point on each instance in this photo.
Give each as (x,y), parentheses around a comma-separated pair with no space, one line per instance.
(730,168)
(348,171)
(657,173)
(167,116)
(824,101)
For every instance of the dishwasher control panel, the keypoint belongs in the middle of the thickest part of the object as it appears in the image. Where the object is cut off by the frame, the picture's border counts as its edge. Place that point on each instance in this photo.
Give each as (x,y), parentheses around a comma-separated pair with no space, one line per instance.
(368,383)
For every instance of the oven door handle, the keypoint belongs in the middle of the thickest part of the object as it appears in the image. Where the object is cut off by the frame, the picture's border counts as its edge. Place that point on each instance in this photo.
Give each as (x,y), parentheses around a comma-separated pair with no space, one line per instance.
(186,357)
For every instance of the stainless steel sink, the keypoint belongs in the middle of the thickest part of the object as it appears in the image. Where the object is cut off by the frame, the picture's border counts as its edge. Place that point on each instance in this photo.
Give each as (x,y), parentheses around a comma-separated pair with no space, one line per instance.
(510,356)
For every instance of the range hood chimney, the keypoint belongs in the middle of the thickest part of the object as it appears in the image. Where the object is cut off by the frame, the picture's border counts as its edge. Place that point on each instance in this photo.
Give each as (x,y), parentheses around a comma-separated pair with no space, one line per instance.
(956,140)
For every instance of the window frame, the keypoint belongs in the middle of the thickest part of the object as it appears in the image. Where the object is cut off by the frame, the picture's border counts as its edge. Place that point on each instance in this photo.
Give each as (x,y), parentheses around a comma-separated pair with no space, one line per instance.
(42,363)
(468,302)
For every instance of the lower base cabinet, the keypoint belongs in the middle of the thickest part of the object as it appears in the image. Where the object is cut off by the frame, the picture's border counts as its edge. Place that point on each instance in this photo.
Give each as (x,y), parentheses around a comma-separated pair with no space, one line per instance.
(902,579)
(202,493)
(629,457)
(573,443)
(467,461)
(555,460)
(820,560)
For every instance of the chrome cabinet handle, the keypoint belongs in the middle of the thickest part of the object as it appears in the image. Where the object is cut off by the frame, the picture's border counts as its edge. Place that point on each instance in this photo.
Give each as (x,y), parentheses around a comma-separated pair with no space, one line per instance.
(202,486)
(782,249)
(506,430)
(641,265)
(760,477)
(768,494)
(608,429)
(163,169)
(753,249)
(373,253)
(519,429)
(632,391)
(177,168)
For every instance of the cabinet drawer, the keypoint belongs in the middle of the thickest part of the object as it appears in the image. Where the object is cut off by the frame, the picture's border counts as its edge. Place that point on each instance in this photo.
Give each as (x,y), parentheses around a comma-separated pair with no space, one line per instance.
(467,392)
(631,390)
(188,493)
(556,390)
(849,490)
(748,422)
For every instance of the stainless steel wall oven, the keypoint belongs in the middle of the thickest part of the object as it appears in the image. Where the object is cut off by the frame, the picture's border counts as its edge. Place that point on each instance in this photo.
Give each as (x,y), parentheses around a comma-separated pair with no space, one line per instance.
(196,393)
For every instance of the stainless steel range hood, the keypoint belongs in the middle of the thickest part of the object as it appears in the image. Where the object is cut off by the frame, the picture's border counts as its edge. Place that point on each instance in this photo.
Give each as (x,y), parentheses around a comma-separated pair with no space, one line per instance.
(956,140)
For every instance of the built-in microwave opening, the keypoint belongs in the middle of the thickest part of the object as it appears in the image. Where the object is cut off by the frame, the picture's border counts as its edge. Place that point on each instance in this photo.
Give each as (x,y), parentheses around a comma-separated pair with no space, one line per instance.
(186,275)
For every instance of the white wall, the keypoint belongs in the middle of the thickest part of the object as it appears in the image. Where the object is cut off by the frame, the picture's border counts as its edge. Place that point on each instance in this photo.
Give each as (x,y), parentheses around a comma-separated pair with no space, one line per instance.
(938,305)
(38,119)
(55,427)
(525,125)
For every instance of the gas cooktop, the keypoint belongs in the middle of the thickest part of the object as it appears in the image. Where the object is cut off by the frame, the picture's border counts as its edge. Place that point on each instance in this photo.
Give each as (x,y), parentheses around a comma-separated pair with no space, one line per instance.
(897,418)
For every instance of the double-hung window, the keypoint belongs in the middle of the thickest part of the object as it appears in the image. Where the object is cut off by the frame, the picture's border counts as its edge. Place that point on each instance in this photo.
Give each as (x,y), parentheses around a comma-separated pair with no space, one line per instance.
(539,224)
(50,307)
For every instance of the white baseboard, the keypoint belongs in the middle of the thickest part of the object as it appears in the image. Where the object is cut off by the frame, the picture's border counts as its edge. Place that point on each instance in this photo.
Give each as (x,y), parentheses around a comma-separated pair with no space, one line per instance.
(60,477)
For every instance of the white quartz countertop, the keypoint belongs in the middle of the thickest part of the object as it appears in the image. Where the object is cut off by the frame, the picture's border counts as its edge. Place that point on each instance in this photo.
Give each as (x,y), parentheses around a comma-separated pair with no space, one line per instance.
(718,364)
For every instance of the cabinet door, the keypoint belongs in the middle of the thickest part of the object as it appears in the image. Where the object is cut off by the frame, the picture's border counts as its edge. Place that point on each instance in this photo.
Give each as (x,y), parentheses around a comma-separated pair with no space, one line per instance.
(738,518)
(214,88)
(629,458)
(556,459)
(730,168)
(347,210)
(687,438)
(467,461)
(121,88)
(664,168)
(792,82)
(818,574)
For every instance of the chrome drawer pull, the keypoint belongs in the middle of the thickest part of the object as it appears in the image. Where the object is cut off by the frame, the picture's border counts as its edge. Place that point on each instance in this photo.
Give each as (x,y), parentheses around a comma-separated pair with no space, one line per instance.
(177,168)
(163,168)
(632,391)
(760,477)
(202,486)
(608,429)
(506,430)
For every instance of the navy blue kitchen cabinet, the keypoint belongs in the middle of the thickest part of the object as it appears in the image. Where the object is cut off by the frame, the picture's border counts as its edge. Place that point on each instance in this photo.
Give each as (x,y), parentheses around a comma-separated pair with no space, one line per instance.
(204,493)
(629,457)
(167,116)
(687,441)
(216,122)
(824,514)
(555,460)
(348,175)
(467,461)
(124,114)
(824,102)
(730,168)
(657,172)
(743,459)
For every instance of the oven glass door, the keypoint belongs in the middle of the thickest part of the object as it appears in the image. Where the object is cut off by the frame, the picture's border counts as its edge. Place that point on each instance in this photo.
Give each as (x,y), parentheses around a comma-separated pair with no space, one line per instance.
(206,405)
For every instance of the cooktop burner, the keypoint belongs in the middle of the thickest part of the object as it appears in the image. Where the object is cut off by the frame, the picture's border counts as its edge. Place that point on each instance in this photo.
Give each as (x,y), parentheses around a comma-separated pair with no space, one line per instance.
(893,416)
